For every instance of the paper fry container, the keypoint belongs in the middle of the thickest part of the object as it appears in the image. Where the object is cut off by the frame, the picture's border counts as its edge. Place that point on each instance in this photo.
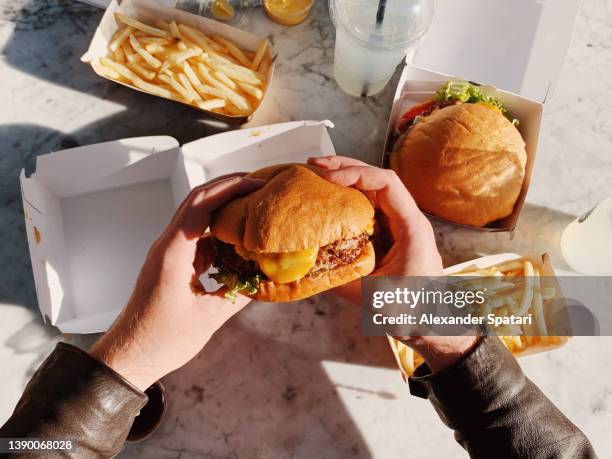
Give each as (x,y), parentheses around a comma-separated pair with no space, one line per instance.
(148,11)
(408,360)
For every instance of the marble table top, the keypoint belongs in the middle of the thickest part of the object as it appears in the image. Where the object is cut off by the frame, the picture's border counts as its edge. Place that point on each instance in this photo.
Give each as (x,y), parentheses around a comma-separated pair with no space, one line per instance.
(297,381)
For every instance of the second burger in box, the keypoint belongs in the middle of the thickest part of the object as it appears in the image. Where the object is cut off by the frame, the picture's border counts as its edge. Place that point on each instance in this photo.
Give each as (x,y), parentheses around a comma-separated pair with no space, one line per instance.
(479,170)
(460,155)
(464,151)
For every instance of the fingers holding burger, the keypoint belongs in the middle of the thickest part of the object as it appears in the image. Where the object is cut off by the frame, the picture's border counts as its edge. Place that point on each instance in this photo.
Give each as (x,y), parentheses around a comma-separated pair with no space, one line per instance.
(296,236)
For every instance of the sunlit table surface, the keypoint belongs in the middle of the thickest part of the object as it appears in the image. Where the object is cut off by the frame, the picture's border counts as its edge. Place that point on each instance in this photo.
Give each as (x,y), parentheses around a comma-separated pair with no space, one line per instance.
(296,380)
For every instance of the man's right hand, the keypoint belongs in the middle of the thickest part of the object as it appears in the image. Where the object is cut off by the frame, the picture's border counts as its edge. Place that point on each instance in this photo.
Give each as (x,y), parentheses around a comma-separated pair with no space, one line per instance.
(413,250)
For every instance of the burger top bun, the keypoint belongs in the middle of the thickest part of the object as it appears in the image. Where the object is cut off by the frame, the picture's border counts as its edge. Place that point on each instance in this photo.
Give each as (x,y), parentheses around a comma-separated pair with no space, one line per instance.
(464,163)
(296,209)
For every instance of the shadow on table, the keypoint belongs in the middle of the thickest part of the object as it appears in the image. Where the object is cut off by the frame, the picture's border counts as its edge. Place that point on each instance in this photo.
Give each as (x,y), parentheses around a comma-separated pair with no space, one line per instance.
(268,392)
(33,338)
(47,42)
(539,230)
(252,392)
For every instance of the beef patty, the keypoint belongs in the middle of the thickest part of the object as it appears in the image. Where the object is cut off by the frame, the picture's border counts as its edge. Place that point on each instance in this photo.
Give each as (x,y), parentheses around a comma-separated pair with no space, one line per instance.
(338,253)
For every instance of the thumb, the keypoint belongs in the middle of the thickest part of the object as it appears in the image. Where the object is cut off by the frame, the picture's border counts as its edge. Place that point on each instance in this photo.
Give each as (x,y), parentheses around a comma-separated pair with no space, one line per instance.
(195,213)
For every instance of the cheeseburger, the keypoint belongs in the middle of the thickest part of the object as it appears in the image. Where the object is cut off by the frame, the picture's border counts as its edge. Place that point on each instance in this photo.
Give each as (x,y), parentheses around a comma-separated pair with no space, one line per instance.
(461,156)
(296,236)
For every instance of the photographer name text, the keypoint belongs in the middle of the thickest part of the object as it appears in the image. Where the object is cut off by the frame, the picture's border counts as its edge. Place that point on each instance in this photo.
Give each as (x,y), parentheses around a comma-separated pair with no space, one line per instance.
(468,319)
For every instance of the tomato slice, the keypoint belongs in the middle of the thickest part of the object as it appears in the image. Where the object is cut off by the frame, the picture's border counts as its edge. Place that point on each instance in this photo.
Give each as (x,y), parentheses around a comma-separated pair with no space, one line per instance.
(413,113)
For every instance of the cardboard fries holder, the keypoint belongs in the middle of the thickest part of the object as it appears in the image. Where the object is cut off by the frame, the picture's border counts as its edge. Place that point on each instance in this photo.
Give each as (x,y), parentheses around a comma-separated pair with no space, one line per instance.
(148,11)
(408,360)
(92,212)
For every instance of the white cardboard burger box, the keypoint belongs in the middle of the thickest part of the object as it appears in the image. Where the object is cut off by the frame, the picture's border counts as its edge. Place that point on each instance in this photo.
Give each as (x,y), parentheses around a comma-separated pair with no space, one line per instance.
(518,46)
(148,11)
(92,212)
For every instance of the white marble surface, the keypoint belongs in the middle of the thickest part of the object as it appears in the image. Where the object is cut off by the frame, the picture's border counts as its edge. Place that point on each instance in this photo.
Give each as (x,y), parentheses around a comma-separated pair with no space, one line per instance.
(297,381)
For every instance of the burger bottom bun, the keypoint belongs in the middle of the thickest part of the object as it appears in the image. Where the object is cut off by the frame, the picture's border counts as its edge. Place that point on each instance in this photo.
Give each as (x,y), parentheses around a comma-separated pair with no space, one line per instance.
(272,292)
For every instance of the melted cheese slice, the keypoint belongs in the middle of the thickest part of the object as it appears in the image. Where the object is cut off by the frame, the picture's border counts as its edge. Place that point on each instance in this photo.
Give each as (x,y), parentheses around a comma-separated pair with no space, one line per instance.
(282,267)
(491,106)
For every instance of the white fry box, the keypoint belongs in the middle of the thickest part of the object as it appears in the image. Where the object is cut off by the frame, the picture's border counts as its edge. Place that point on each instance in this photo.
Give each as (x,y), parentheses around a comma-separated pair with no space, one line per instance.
(92,212)
(407,360)
(148,11)
(519,46)
(541,262)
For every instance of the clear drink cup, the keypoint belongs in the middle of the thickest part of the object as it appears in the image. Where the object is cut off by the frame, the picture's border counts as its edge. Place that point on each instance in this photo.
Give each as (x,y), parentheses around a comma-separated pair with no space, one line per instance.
(586,243)
(372,37)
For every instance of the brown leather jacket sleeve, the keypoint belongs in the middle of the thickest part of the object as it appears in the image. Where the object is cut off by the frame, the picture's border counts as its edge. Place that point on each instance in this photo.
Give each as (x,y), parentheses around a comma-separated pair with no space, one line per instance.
(74,397)
(496,411)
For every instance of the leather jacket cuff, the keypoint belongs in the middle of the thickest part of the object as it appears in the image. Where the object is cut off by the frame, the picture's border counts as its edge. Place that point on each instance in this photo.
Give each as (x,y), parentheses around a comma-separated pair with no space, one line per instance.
(495,410)
(94,405)
(476,371)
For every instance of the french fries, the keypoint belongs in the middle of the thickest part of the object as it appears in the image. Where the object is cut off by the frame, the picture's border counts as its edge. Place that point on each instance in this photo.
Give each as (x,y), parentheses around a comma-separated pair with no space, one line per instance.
(120,56)
(121,36)
(236,99)
(174,30)
(140,70)
(179,62)
(261,51)
(211,104)
(223,78)
(522,296)
(140,26)
(513,288)
(252,90)
(106,71)
(163,25)
(149,59)
(233,50)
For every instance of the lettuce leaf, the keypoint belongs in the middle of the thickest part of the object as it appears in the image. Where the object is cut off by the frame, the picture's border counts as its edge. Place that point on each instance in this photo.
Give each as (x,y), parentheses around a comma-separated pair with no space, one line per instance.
(236,284)
(463,91)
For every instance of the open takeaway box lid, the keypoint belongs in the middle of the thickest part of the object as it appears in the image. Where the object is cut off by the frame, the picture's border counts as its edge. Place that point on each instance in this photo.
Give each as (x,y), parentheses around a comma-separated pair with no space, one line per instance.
(92,212)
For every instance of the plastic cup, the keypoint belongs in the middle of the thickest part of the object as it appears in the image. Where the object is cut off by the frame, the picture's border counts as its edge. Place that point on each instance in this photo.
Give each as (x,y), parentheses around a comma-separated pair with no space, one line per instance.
(586,243)
(372,38)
